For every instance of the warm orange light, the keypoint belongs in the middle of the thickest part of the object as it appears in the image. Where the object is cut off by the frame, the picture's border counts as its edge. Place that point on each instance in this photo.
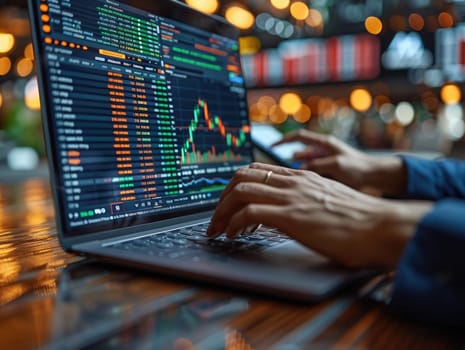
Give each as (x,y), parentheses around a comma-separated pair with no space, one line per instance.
(1,99)
(31,95)
(451,94)
(361,100)
(373,25)
(277,115)
(314,19)
(299,10)
(5,65)
(446,20)
(280,4)
(256,114)
(7,41)
(265,103)
(303,115)
(416,22)
(240,17)
(48,40)
(24,67)
(29,51)
(249,45)
(290,103)
(45,18)
(207,6)
(46,28)
(44,7)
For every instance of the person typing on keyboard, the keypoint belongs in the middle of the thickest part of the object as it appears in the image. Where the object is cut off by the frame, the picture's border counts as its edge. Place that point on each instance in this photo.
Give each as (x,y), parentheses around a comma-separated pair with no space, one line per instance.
(325,207)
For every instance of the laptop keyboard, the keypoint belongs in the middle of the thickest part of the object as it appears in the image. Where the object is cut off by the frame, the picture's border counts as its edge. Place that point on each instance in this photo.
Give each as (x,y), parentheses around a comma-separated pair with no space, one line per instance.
(187,241)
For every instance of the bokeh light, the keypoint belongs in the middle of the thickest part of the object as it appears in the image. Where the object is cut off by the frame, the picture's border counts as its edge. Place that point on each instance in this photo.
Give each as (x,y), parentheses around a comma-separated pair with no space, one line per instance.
(416,22)
(280,4)
(373,25)
(451,94)
(7,42)
(314,19)
(405,113)
(206,6)
(290,103)
(277,115)
(265,103)
(249,45)
(24,67)
(303,115)
(5,65)
(299,10)
(31,95)
(29,52)
(240,17)
(386,113)
(256,115)
(1,99)
(451,122)
(446,20)
(361,100)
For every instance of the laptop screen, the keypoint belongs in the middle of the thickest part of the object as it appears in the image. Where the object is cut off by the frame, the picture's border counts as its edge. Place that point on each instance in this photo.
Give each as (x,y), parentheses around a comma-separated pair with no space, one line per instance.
(145,111)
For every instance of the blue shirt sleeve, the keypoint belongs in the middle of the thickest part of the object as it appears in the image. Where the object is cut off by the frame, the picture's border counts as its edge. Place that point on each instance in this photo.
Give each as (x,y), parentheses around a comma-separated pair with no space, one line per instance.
(434,180)
(430,279)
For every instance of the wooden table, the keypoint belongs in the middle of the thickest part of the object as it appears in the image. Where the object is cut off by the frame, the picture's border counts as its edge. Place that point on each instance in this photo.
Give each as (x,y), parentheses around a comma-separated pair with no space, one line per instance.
(50,299)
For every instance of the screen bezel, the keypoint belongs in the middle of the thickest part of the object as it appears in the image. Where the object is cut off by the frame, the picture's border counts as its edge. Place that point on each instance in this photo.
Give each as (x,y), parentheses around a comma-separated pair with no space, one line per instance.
(165,8)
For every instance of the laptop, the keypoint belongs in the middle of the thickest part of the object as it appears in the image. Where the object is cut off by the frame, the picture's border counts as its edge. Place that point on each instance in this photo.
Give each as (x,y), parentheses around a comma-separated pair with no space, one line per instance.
(145,120)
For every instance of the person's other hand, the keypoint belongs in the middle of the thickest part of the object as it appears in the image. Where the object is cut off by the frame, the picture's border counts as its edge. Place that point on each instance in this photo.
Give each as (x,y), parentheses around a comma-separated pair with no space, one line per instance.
(345,225)
(332,158)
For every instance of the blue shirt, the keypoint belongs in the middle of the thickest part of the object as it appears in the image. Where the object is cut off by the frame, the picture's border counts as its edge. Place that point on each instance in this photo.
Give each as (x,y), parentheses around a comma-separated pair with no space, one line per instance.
(430,279)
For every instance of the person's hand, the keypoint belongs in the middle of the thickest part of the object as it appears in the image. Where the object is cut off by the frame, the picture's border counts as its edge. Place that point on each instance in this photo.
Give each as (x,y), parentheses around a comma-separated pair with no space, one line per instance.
(332,158)
(345,225)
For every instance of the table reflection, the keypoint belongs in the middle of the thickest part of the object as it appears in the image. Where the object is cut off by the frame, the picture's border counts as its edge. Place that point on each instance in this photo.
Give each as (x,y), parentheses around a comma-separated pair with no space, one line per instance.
(109,308)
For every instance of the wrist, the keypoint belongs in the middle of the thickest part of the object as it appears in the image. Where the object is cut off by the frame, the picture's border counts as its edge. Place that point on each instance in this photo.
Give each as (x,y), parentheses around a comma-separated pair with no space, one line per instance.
(388,175)
(399,224)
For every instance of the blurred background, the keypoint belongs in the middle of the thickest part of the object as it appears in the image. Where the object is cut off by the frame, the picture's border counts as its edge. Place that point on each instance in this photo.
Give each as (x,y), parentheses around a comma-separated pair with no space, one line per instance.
(382,75)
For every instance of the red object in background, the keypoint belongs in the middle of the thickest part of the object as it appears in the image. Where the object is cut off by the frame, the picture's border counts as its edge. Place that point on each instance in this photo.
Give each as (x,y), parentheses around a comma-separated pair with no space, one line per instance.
(333,50)
(291,70)
(261,68)
(462,53)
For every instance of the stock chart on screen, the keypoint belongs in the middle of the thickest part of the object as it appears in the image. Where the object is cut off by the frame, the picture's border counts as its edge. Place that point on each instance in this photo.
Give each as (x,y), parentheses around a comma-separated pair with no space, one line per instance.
(149,113)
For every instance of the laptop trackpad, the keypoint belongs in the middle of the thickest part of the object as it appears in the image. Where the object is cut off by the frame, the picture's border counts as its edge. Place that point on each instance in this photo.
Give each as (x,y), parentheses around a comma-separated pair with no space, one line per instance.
(293,253)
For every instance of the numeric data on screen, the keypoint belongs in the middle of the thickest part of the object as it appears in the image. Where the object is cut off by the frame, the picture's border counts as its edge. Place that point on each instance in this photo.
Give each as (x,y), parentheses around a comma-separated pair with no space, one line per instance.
(149,114)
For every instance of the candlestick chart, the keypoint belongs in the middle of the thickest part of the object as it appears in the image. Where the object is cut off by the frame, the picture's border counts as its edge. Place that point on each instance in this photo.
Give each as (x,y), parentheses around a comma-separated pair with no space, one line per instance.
(209,139)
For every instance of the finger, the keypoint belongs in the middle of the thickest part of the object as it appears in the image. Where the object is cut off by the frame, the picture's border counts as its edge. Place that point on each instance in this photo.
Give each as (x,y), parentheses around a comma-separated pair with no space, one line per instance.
(310,153)
(242,194)
(309,138)
(257,173)
(253,214)
(277,170)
